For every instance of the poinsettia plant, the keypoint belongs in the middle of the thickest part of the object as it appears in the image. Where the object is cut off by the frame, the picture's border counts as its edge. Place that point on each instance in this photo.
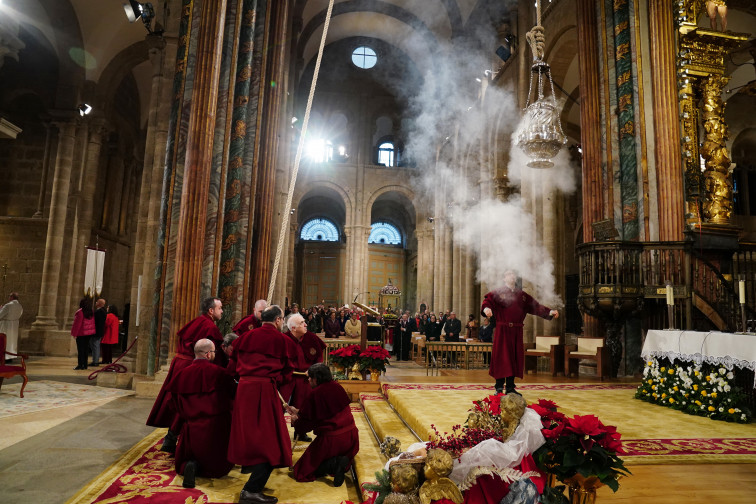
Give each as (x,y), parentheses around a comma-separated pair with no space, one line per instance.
(374,357)
(345,356)
(579,448)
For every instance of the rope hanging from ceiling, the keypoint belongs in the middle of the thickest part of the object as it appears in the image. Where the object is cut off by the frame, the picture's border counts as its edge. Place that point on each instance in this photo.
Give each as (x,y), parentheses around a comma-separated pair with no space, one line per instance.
(298,158)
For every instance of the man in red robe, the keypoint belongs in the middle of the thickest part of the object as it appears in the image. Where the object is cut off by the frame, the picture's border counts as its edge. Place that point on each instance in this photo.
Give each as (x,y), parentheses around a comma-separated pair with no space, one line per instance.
(251,321)
(163,413)
(259,437)
(202,394)
(508,306)
(326,411)
(306,349)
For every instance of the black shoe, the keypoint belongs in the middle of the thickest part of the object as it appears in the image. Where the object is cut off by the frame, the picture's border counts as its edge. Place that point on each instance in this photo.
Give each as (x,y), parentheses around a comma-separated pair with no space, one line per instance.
(94,364)
(513,391)
(169,443)
(499,391)
(246,469)
(190,471)
(302,437)
(341,467)
(256,498)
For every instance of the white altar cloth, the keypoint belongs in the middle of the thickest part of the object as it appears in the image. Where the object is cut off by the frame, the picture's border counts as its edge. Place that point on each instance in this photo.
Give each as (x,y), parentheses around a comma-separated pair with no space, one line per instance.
(728,350)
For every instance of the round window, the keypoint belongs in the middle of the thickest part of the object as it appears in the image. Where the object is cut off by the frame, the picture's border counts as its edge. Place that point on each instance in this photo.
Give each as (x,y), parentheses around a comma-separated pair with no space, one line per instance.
(364,57)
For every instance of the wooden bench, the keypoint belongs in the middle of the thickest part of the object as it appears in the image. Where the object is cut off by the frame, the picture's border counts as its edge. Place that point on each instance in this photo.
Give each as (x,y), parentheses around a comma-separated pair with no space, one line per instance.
(589,349)
(545,346)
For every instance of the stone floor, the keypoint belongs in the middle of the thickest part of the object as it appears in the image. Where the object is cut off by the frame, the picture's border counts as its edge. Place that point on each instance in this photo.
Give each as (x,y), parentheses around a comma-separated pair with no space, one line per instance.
(48,456)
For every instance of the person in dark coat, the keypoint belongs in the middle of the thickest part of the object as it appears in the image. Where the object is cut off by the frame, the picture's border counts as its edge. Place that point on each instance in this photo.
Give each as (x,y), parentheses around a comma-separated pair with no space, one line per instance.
(259,436)
(251,321)
(405,329)
(332,326)
(326,411)
(452,328)
(508,306)
(163,412)
(100,315)
(202,394)
(486,336)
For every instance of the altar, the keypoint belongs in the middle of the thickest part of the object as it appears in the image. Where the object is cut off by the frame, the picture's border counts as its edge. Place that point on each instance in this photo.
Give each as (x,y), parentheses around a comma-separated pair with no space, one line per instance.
(735,352)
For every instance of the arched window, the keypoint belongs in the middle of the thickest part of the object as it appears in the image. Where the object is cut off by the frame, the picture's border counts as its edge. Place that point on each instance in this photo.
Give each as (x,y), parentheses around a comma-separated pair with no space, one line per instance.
(319,230)
(385,233)
(386,154)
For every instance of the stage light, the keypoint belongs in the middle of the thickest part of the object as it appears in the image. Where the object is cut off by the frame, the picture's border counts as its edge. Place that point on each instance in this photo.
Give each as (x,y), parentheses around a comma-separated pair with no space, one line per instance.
(84,109)
(504,53)
(135,10)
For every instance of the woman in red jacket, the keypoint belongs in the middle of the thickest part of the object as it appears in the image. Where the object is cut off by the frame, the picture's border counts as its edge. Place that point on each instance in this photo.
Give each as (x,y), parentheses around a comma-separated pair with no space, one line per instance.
(110,339)
(82,330)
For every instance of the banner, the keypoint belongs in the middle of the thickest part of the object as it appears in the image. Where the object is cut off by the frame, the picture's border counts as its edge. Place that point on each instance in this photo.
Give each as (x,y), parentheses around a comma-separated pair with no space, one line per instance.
(93,275)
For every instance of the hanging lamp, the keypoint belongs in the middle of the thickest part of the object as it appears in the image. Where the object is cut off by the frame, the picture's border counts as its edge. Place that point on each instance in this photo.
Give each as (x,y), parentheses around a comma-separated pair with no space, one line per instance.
(541,136)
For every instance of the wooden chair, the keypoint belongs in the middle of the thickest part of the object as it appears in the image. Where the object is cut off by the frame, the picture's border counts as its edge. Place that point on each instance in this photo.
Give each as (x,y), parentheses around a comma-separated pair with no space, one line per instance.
(7,371)
(589,349)
(545,346)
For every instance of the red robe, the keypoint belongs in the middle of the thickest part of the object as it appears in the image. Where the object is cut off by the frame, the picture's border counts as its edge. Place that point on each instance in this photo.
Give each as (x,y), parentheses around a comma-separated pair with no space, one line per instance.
(202,395)
(297,387)
(247,324)
(326,412)
(258,429)
(163,413)
(509,309)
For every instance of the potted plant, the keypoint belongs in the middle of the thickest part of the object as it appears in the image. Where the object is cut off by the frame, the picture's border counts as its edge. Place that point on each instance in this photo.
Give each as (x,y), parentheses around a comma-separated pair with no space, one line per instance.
(344,358)
(374,359)
(580,451)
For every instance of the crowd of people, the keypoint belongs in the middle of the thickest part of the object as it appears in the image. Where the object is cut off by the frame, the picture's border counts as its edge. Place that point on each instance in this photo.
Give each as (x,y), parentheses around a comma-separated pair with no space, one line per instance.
(96,331)
(227,407)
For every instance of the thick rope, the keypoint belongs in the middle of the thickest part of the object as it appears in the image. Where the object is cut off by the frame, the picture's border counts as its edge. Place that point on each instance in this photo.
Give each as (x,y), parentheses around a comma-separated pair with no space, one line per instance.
(536,37)
(298,158)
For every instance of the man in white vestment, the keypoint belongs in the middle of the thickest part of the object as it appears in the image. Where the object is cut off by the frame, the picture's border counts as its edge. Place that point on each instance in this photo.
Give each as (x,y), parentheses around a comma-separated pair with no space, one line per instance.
(9,315)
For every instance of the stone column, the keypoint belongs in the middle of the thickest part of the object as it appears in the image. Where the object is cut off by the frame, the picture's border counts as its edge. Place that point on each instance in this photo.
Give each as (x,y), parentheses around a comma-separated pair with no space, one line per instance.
(46,318)
(666,120)
(84,216)
(198,163)
(590,128)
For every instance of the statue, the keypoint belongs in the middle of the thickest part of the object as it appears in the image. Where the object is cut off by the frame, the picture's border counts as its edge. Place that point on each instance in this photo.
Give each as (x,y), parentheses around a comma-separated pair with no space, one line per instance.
(404,480)
(438,465)
(355,373)
(391,447)
(712,8)
(717,179)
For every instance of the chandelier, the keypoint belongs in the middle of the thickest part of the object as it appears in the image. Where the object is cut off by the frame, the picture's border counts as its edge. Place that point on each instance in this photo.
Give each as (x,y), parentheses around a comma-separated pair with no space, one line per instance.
(540,136)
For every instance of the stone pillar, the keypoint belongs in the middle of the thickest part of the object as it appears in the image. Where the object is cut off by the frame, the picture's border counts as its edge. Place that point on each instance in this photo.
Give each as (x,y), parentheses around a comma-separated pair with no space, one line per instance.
(46,319)
(666,120)
(84,215)
(590,128)
(198,163)
(45,170)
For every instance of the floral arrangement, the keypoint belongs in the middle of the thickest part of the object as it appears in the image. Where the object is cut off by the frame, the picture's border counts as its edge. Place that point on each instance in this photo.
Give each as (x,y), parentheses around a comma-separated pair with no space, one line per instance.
(697,389)
(579,449)
(374,357)
(390,316)
(345,356)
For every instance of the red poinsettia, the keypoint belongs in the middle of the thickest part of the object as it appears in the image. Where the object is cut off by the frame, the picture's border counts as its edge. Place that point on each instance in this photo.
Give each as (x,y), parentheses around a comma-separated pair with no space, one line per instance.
(374,357)
(581,445)
(345,356)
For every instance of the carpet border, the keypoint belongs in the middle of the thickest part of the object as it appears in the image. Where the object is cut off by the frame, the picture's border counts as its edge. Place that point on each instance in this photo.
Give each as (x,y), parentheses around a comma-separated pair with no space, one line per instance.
(95,487)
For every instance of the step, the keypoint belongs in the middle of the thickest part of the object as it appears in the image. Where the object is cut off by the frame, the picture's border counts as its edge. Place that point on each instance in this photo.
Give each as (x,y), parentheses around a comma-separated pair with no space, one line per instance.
(385,421)
(369,459)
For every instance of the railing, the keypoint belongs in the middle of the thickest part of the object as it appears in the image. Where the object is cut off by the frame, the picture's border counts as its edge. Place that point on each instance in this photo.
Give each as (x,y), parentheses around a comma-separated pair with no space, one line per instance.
(614,272)
(441,355)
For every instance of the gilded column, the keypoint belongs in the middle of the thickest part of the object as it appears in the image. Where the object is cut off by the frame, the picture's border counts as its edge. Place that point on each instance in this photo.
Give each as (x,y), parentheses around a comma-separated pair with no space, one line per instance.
(666,120)
(590,128)
(272,98)
(46,316)
(199,149)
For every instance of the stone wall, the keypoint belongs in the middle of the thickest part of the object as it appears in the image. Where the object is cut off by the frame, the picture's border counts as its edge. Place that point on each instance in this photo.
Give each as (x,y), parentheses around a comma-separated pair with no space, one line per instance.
(22,248)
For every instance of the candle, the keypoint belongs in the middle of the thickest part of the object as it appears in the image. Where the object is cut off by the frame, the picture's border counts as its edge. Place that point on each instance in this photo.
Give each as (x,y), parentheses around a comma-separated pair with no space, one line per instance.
(670,296)
(741,289)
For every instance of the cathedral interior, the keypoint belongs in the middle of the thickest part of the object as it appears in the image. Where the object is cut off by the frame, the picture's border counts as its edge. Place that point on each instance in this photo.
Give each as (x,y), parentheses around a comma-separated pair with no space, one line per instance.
(285,150)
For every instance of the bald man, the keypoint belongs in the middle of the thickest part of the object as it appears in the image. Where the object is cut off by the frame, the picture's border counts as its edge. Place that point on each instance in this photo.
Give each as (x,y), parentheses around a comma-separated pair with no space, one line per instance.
(202,395)
(251,321)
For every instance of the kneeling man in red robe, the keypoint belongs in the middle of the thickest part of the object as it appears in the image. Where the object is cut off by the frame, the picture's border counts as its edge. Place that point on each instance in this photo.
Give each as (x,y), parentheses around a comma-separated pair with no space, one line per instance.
(326,411)
(202,394)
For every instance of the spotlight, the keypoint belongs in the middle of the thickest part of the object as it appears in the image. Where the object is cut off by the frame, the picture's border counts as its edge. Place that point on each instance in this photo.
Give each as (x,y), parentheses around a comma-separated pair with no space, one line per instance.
(293,120)
(84,109)
(430,219)
(504,53)
(135,10)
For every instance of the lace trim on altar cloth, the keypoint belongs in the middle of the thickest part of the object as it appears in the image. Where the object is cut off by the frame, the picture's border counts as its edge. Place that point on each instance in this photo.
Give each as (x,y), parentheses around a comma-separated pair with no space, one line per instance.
(726,362)
(506,474)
